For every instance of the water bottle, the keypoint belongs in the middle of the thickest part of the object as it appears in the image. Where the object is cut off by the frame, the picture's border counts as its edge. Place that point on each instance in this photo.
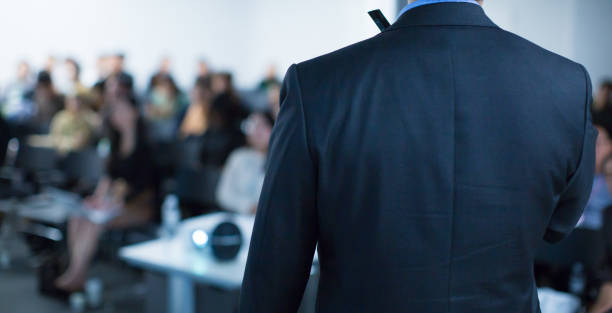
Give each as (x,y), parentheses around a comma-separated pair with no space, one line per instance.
(171,215)
(577,280)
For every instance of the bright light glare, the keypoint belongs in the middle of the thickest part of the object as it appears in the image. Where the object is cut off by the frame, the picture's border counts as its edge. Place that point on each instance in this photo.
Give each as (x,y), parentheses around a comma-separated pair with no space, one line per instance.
(199,238)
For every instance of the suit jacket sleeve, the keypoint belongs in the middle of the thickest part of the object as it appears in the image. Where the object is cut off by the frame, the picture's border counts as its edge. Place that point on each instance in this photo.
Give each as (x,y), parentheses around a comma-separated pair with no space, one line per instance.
(285,232)
(574,198)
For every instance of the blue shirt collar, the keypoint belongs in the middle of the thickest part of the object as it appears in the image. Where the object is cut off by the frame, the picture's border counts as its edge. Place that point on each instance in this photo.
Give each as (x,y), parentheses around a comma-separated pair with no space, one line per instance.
(419,3)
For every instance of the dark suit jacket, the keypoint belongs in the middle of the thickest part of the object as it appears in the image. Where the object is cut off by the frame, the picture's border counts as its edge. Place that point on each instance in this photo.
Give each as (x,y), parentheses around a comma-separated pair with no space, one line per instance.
(427,162)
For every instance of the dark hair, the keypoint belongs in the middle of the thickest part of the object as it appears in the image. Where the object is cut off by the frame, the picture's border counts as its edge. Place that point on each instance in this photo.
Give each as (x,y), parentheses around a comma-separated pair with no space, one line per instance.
(167,78)
(606,83)
(268,117)
(44,78)
(113,133)
(75,64)
(603,165)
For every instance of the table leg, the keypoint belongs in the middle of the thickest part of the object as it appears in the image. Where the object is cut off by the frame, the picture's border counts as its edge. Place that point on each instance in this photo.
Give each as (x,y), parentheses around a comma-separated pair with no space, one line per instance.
(180,294)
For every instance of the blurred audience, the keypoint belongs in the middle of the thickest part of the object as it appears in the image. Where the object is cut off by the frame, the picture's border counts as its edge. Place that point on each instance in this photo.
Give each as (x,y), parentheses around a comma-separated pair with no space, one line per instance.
(125,197)
(203,70)
(271,78)
(222,85)
(74,128)
(603,302)
(14,106)
(4,139)
(243,175)
(73,71)
(46,101)
(115,80)
(163,70)
(220,137)
(602,105)
(273,97)
(193,121)
(600,196)
(165,101)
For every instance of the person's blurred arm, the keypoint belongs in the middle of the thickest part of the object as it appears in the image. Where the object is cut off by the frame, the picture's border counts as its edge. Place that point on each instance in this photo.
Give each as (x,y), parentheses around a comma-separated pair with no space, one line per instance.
(286,227)
(227,194)
(102,190)
(574,198)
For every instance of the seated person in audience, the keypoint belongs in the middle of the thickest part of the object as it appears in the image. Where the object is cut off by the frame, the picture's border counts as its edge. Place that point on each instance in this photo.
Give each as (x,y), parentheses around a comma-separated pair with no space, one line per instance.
(14,106)
(203,70)
(47,102)
(602,103)
(271,78)
(73,71)
(603,304)
(194,120)
(73,128)
(221,137)
(4,139)
(600,196)
(124,198)
(163,70)
(165,99)
(222,84)
(243,175)
(164,103)
(273,94)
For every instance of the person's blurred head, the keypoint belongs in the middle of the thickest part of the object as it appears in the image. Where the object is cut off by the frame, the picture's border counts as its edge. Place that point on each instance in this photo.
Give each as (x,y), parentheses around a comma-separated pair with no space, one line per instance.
(116,63)
(164,65)
(23,71)
(219,115)
(603,97)
(603,147)
(117,85)
(273,93)
(271,73)
(74,103)
(257,129)
(606,170)
(165,86)
(222,83)
(103,66)
(49,64)
(124,113)
(202,93)
(44,82)
(73,69)
(203,69)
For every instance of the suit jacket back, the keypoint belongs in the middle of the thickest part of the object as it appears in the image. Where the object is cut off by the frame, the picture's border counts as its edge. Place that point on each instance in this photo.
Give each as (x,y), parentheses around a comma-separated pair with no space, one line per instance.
(427,162)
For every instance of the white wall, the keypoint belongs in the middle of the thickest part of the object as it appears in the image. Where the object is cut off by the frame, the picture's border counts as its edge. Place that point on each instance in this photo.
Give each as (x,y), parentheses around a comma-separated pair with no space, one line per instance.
(242,36)
(577,29)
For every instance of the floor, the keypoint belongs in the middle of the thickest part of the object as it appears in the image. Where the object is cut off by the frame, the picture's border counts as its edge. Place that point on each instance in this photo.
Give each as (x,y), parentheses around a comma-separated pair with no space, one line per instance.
(123,291)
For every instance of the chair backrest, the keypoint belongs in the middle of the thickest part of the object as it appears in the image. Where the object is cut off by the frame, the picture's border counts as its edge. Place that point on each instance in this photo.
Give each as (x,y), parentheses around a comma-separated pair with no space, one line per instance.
(198,186)
(34,159)
(187,153)
(84,166)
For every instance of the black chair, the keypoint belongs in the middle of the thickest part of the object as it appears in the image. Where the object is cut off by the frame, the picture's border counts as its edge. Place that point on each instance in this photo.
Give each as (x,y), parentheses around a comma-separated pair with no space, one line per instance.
(34,168)
(82,170)
(36,159)
(196,189)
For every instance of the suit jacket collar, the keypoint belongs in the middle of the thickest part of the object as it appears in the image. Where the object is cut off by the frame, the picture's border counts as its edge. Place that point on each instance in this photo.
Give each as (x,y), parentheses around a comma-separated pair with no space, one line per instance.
(448,13)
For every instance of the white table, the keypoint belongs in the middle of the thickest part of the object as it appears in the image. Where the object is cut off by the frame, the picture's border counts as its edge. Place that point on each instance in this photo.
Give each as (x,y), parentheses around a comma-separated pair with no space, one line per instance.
(184,265)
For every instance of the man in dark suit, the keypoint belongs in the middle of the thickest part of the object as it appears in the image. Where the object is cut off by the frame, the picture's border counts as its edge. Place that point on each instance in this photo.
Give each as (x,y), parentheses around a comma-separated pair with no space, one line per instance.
(428,162)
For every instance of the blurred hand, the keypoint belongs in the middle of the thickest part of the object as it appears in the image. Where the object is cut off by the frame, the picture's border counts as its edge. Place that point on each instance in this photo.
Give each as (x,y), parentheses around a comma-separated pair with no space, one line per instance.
(94,201)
